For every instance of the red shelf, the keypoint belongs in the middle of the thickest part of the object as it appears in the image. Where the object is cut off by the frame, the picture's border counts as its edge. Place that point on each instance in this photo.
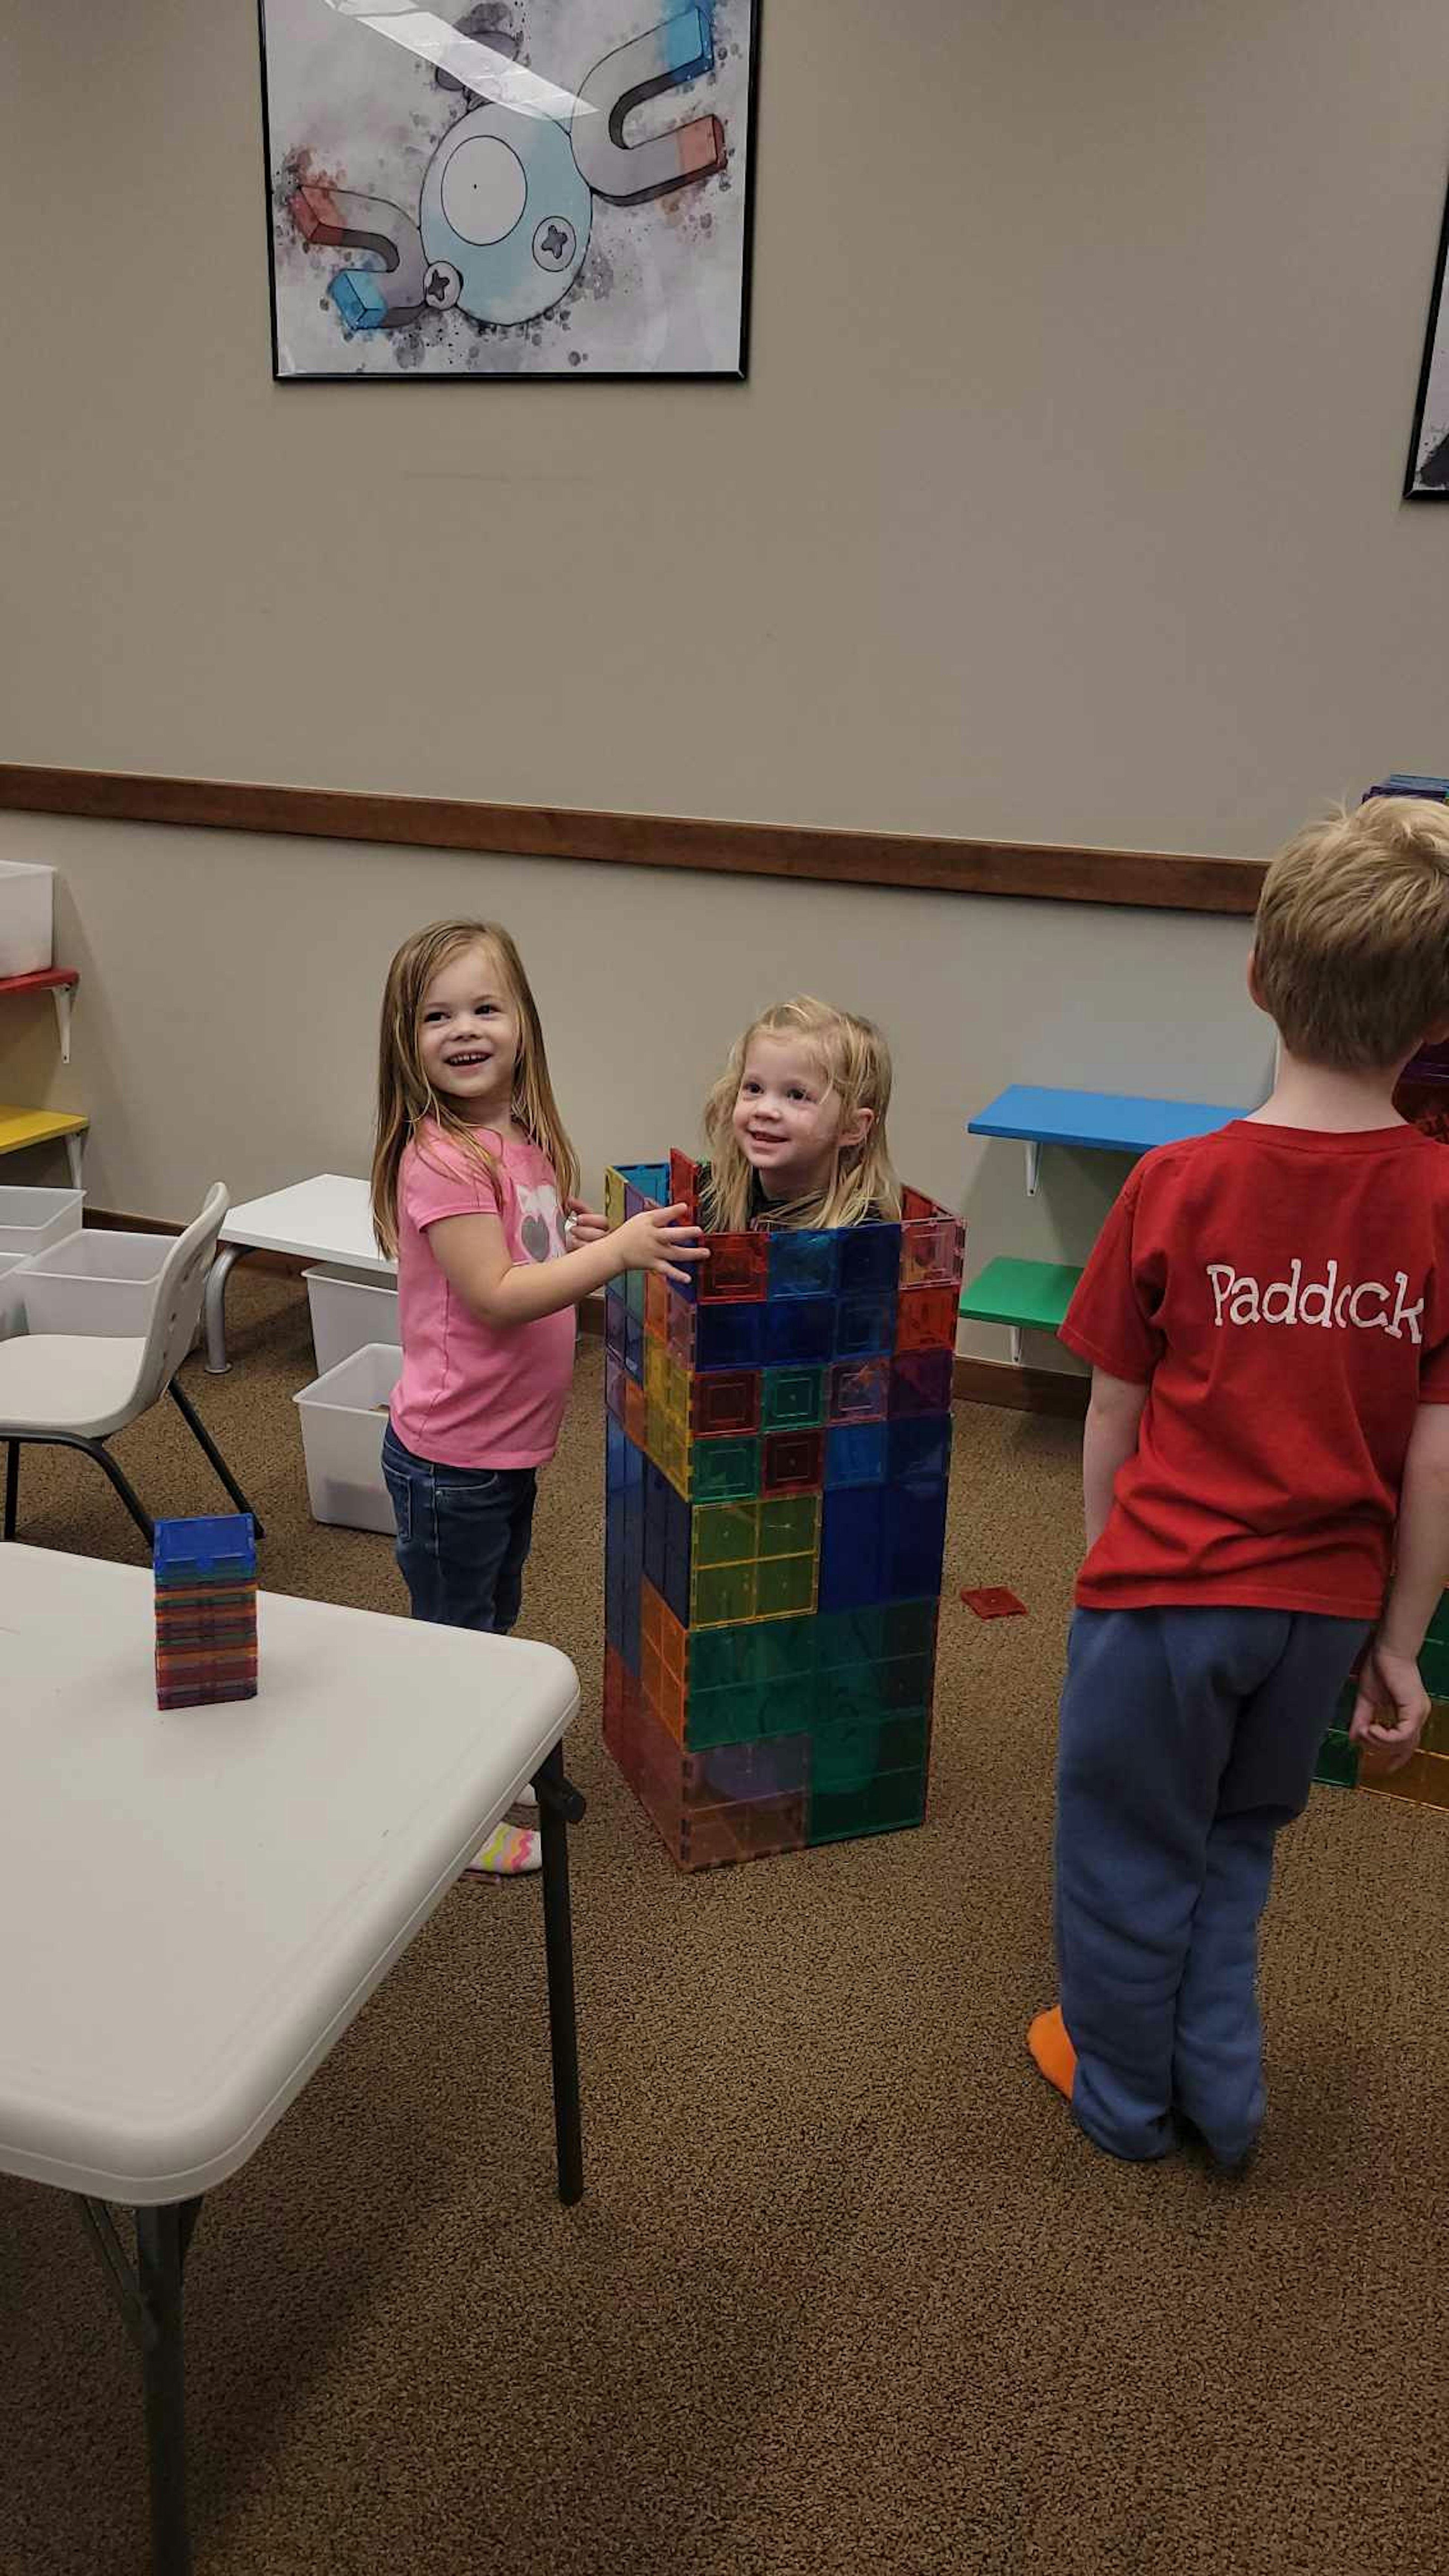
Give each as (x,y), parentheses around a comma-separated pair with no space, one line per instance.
(47,979)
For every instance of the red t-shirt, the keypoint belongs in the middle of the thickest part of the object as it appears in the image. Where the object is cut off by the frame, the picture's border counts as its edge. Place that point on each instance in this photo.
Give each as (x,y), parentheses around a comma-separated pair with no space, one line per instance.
(1285,1297)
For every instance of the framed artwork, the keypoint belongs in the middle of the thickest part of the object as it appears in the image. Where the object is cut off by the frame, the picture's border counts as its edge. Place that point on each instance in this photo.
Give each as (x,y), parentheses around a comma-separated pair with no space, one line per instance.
(1427,477)
(511,188)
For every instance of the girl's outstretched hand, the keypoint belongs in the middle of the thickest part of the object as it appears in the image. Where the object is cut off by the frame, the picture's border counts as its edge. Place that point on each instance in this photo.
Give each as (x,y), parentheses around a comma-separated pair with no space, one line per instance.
(658,1238)
(583,1224)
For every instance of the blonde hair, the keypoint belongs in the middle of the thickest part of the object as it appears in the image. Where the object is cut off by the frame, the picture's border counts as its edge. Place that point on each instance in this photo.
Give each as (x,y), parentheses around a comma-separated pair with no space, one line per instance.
(405,1096)
(854,1059)
(1351,951)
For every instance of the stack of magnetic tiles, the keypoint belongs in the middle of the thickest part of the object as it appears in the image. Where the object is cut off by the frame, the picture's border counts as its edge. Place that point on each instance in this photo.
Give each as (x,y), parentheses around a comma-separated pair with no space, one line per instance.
(778,1443)
(206,1610)
(1424,1778)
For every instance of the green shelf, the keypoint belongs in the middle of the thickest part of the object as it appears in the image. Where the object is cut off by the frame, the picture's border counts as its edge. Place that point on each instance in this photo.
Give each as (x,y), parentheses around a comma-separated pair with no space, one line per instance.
(1030,1296)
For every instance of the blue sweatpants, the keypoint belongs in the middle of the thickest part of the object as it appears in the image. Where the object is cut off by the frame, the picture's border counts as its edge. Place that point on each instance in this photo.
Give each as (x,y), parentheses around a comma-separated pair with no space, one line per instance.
(1188,1738)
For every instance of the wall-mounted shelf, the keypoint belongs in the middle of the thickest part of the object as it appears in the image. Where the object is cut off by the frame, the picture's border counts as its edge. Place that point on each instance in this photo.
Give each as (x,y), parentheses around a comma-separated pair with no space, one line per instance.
(1106,1122)
(60,982)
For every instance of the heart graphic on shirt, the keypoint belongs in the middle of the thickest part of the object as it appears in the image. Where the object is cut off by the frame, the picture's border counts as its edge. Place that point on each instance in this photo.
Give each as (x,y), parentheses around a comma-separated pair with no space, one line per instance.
(536,1240)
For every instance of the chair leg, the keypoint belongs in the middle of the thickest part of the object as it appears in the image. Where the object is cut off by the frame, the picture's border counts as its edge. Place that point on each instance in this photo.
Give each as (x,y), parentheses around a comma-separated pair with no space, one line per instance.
(12,1484)
(194,1423)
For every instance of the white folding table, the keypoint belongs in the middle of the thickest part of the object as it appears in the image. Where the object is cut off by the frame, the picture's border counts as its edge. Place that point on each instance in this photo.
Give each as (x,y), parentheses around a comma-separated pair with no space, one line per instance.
(237,1879)
(328,1218)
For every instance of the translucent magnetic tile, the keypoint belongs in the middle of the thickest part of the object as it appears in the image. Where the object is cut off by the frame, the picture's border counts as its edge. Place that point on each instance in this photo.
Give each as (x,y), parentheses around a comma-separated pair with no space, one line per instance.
(785,1651)
(634,1346)
(1423,1780)
(656,1305)
(735,1269)
(792,1399)
(614,1384)
(614,1288)
(683,1182)
(926,1319)
(855,1453)
(792,1462)
(681,1330)
(786,1584)
(848,1637)
(729,1336)
(634,1202)
(656,1378)
(865,1324)
(719,1594)
(615,1325)
(651,1609)
(636,1413)
(726,1534)
(1337,1765)
(648,1181)
(918,1449)
(634,1283)
(855,1751)
(789,1526)
(766,1767)
(931,1252)
(859,1390)
(870,1257)
(798,1331)
(880,1806)
(724,1470)
(723,1659)
(921,1382)
(727,1401)
(802,1265)
(725,1716)
(614,1196)
(1435,1738)
(1434,1667)
(614,1446)
(915,1539)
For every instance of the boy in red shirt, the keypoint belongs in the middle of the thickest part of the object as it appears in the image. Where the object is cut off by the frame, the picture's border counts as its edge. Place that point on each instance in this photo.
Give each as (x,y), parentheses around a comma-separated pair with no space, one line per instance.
(1266,1472)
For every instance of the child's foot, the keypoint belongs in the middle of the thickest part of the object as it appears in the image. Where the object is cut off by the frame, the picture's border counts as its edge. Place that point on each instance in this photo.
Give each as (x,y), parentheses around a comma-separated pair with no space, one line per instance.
(1053,2051)
(507,1853)
(524,1810)
(1224,2168)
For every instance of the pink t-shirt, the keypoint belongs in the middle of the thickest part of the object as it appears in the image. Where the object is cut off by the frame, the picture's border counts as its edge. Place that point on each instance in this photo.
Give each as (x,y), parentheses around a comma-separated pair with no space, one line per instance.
(472,1394)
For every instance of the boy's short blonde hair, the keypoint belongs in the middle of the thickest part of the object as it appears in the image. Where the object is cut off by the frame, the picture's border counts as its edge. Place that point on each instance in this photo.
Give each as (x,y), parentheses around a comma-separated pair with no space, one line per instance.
(1351,953)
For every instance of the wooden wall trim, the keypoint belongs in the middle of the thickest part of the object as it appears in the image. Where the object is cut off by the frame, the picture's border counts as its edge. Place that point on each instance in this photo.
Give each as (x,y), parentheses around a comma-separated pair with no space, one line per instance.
(1161,881)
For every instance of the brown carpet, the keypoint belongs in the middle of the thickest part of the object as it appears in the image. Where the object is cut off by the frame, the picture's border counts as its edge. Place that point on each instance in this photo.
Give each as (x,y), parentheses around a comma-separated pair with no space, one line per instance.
(846,2289)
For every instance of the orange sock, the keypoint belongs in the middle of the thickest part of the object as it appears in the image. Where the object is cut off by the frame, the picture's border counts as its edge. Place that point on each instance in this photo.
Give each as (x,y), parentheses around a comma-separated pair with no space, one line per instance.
(1053,2051)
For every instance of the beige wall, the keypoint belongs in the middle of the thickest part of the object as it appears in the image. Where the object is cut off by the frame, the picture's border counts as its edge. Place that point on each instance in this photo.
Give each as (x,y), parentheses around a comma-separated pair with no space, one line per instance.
(1062,504)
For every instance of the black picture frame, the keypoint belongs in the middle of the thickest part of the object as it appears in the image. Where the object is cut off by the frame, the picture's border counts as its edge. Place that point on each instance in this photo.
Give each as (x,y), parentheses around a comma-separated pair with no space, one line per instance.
(650,13)
(1426,474)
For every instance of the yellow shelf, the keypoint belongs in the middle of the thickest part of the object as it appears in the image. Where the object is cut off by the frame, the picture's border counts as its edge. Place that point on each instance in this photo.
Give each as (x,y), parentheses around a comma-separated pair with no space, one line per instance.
(39,1127)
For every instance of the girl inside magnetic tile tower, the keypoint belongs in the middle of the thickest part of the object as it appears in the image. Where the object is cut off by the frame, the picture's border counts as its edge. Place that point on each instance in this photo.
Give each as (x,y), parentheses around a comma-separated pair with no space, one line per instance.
(796,1124)
(472,1188)
(796,1133)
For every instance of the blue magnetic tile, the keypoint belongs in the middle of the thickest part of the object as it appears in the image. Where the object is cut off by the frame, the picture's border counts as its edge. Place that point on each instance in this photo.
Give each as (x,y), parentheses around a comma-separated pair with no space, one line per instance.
(729,1336)
(920,1448)
(634,1348)
(615,1445)
(648,1181)
(678,1529)
(798,1331)
(616,1321)
(920,1383)
(915,1540)
(870,1257)
(852,1547)
(614,1290)
(855,1454)
(802,1265)
(656,1526)
(223,1541)
(865,1324)
(630,1638)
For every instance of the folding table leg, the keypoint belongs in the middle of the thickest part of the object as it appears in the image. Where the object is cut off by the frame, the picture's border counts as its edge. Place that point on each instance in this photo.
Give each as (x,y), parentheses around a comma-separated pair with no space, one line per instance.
(214,1306)
(559,1805)
(161,2236)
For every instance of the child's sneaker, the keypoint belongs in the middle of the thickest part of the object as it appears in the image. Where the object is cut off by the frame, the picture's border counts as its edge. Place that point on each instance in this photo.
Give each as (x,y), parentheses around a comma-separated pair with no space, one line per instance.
(508,1853)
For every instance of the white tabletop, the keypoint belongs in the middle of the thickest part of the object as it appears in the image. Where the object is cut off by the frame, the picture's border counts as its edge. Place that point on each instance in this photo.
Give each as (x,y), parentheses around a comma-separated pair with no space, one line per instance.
(328,1218)
(195,1904)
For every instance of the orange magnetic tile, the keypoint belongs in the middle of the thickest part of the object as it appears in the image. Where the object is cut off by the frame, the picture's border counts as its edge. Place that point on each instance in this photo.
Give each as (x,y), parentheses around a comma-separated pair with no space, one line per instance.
(926,1319)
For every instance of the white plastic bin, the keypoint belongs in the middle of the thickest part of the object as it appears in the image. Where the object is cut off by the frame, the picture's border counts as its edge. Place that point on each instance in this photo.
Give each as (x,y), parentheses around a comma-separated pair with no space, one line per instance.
(12,1294)
(30,1219)
(95,1282)
(27,915)
(344,1416)
(348,1312)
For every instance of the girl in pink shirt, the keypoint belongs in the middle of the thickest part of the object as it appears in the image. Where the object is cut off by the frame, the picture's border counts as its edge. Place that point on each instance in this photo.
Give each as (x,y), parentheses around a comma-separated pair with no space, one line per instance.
(474,1186)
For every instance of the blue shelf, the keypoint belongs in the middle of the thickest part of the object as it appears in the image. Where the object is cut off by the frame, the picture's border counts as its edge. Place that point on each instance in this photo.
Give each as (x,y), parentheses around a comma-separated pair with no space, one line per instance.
(1107,1122)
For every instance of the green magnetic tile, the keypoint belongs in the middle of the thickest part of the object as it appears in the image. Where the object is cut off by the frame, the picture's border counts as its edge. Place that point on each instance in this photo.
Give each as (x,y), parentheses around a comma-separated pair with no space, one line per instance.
(790,1525)
(852,1637)
(790,1705)
(719,1594)
(907,1680)
(793,1399)
(724,1659)
(786,1583)
(851,1695)
(634,1292)
(853,1757)
(725,1534)
(879,1807)
(1337,1765)
(786,1650)
(725,1470)
(1439,1624)
(725,1717)
(909,1627)
(1434,1668)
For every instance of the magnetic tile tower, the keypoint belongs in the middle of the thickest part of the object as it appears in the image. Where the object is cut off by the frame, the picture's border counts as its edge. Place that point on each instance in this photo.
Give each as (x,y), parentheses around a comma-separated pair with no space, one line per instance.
(206,1610)
(778,1443)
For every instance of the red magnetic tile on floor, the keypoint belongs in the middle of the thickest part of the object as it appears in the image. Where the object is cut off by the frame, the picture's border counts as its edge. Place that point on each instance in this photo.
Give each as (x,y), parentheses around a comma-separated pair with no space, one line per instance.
(994,1603)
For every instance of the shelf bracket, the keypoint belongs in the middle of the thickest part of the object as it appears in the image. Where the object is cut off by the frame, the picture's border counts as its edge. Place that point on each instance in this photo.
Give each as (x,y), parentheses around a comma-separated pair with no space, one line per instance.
(1016,1345)
(63,995)
(1033,1166)
(74,1148)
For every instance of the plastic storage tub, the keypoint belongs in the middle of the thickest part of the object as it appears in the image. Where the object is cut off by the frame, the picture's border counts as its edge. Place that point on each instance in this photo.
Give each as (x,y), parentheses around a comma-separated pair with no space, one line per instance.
(95,1282)
(348,1312)
(31,1219)
(12,1294)
(344,1415)
(27,909)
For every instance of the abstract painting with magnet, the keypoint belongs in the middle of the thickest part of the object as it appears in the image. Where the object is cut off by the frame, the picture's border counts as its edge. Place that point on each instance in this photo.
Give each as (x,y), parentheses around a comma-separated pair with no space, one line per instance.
(508,188)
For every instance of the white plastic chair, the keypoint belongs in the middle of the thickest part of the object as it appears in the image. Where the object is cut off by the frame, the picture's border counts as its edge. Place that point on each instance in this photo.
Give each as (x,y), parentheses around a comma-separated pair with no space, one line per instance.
(74,1390)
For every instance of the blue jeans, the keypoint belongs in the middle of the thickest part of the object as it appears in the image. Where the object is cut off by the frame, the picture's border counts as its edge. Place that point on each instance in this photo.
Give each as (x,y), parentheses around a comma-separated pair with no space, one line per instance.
(462,1537)
(1188,1739)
